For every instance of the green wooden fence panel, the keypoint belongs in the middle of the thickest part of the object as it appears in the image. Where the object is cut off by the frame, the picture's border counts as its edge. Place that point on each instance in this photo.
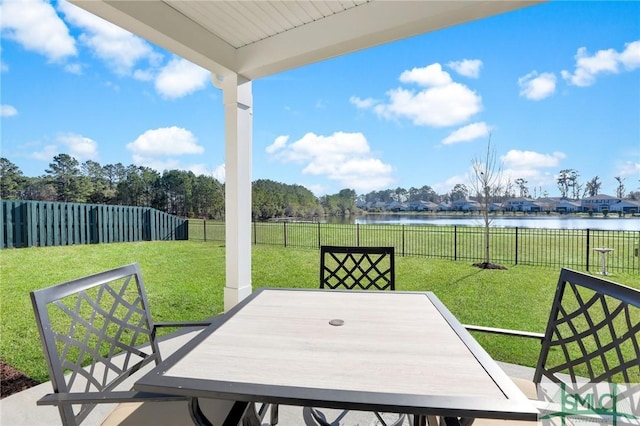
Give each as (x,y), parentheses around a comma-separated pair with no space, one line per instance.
(39,223)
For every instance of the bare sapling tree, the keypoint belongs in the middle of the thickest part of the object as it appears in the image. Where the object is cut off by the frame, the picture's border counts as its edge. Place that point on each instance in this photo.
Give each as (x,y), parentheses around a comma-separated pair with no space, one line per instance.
(486,177)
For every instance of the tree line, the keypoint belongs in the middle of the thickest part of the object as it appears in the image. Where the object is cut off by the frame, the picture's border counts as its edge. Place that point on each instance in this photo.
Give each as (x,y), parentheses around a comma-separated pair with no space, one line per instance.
(184,194)
(177,192)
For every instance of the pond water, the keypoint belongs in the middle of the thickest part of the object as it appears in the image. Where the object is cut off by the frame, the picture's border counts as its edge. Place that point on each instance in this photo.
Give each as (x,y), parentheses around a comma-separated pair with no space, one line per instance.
(545,222)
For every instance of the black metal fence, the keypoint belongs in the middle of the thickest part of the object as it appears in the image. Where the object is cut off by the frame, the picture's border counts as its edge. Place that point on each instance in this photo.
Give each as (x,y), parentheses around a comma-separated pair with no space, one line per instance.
(570,248)
(40,223)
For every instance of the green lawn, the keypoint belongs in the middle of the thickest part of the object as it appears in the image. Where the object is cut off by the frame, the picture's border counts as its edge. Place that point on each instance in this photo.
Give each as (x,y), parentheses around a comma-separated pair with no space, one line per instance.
(185,280)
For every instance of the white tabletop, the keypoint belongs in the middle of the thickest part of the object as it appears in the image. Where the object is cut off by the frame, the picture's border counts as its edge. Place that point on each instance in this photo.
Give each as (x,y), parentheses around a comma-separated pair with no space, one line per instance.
(393,348)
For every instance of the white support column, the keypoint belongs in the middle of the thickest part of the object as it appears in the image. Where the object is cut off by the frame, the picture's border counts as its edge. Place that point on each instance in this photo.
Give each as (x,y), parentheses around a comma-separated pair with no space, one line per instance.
(238,103)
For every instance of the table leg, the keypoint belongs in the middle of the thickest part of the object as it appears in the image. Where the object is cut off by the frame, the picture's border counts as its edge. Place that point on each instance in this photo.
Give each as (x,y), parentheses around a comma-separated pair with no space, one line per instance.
(235,415)
(603,260)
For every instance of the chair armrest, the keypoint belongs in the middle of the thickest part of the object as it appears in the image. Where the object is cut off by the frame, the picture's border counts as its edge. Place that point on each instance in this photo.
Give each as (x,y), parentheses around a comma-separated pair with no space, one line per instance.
(505,331)
(111,397)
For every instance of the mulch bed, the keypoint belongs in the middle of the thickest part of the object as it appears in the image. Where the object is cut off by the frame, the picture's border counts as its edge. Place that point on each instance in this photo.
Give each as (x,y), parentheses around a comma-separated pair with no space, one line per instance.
(13,381)
(485,265)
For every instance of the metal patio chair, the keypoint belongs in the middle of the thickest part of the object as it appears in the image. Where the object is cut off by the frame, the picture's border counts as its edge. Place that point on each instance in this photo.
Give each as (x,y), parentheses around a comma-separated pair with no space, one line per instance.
(96,332)
(361,268)
(592,336)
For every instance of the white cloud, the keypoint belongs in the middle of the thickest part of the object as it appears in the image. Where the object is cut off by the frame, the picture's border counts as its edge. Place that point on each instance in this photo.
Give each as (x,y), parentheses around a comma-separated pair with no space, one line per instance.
(362,103)
(8,111)
(45,154)
(537,87)
(343,157)
(440,106)
(603,61)
(629,168)
(143,75)
(165,141)
(181,77)
(35,25)
(441,103)
(467,67)
(522,159)
(120,49)
(279,143)
(448,184)
(530,165)
(79,147)
(429,76)
(317,189)
(630,57)
(468,133)
(220,173)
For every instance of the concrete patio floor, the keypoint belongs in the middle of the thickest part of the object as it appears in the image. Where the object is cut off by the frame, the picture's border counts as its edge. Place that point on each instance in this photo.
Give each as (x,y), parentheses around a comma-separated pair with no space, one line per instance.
(21,410)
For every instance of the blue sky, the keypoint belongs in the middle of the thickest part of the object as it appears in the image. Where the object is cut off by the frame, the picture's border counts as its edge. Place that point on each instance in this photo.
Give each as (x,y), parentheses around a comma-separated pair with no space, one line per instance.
(557,86)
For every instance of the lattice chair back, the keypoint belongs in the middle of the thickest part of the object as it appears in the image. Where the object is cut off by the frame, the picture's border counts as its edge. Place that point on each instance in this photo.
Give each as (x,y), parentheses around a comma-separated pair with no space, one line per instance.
(85,323)
(357,267)
(593,333)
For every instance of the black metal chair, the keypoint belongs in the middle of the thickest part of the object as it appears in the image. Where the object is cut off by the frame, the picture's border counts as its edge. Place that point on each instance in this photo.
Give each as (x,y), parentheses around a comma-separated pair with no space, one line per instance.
(592,336)
(96,332)
(361,268)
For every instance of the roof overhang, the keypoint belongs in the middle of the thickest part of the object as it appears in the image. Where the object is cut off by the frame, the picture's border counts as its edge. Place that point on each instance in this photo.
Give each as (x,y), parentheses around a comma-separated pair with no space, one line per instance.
(259,38)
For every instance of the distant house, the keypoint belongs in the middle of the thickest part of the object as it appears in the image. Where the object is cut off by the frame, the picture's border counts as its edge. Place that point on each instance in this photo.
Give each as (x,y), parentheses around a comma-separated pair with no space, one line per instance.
(626,206)
(430,206)
(376,205)
(599,203)
(495,207)
(567,206)
(444,207)
(548,204)
(522,204)
(466,206)
(422,206)
(394,206)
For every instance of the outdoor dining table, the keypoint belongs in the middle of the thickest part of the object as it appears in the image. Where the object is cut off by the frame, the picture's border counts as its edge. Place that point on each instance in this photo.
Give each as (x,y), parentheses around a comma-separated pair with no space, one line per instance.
(398,352)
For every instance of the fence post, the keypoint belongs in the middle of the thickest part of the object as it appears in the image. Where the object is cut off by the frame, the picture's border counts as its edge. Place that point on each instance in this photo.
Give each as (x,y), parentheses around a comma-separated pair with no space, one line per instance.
(255,233)
(357,235)
(403,240)
(285,233)
(588,247)
(516,245)
(204,229)
(455,242)
(318,234)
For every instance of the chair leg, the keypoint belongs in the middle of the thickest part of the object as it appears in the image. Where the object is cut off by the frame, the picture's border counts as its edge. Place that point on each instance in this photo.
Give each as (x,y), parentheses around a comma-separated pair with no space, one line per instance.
(274,415)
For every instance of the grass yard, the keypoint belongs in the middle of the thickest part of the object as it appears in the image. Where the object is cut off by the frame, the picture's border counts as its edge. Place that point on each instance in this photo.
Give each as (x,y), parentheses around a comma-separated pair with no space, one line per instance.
(185,279)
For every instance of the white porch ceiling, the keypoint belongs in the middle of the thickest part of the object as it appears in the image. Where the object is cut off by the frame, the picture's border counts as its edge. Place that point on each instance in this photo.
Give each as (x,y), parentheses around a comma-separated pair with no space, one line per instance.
(259,38)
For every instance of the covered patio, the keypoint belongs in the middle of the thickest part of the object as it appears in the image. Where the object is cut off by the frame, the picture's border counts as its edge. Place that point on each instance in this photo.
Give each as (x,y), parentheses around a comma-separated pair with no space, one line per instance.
(241,41)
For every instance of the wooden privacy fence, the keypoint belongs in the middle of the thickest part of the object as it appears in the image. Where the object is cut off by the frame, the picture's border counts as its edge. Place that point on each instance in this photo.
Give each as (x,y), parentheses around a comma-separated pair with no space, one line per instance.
(39,223)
